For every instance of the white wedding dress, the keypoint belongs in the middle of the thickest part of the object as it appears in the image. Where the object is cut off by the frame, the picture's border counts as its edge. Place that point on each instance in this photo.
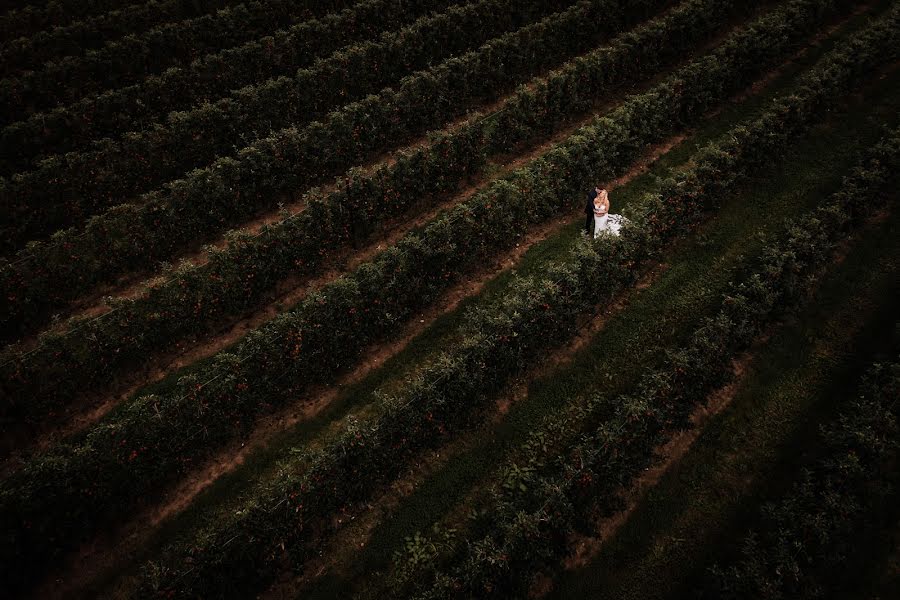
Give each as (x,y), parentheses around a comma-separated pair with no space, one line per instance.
(608,224)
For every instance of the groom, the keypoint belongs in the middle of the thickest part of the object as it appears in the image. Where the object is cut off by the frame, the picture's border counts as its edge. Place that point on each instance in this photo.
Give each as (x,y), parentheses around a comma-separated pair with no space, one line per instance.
(589,212)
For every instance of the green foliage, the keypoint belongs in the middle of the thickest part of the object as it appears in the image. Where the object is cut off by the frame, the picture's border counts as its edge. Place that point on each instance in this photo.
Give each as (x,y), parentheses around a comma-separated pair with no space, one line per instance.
(30,52)
(24,17)
(69,491)
(420,550)
(287,517)
(810,530)
(576,462)
(66,189)
(130,58)
(205,79)
(241,276)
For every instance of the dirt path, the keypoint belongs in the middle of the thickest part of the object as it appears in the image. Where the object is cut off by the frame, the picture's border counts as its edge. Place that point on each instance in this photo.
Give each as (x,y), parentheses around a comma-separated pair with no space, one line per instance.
(584,549)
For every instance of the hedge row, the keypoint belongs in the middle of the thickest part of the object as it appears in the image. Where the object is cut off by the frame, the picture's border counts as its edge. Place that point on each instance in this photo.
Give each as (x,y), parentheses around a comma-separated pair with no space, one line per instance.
(575,463)
(807,535)
(31,50)
(67,189)
(58,370)
(131,58)
(208,78)
(233,189)
(279,523)
(67,492)
(26,16)
(61,192)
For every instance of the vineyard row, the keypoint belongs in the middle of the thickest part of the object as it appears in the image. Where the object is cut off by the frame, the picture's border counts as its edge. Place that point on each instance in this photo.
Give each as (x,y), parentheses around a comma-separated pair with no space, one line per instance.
(124,61)
(29,52)
(207,78)
(531,516)
(286,517)
(837,497)
(24,16)
(67,492)
(346,135)
(239,277)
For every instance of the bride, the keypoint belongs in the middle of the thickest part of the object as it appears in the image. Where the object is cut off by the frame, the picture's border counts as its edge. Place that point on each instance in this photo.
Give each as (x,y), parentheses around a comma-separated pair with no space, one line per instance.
(603,221)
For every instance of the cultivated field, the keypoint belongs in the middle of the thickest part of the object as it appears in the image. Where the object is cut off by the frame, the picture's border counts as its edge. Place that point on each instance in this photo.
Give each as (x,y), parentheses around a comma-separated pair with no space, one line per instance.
(297,300)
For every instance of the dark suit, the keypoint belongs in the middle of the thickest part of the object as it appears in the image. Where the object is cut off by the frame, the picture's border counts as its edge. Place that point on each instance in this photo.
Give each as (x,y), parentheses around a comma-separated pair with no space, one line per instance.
(589,213)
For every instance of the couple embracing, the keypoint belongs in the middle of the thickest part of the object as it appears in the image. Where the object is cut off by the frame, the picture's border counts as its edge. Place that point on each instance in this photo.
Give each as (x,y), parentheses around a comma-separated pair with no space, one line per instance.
(597,218)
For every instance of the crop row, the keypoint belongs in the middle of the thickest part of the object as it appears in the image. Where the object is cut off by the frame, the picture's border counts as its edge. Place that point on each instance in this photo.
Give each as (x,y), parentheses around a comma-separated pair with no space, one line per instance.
(66,189)
(63,365)
(194,138)
(68,491)
(836,497)
(131,58)
(282,520)
(30,51)
(207,78)
(549,491)
(25,17)
(232,189)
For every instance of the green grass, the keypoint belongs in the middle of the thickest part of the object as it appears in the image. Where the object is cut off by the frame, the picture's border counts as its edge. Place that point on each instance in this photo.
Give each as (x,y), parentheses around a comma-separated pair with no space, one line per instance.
(666,312)
(750,451)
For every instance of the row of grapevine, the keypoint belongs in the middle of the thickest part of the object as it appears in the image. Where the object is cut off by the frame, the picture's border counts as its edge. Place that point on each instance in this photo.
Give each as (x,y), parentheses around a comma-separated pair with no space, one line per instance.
(62,192)
(31,16)
(207,201)
(33,49)
(301,244)
(835,497)
(133,57)
(578,460)
(282,521)
(24,143)
(68,188)
(70,490)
